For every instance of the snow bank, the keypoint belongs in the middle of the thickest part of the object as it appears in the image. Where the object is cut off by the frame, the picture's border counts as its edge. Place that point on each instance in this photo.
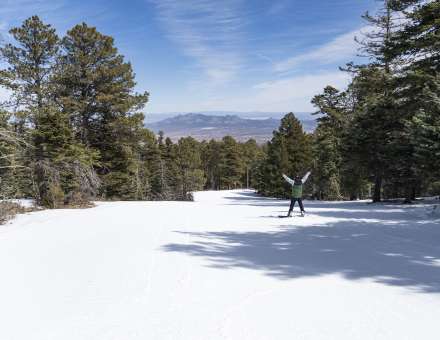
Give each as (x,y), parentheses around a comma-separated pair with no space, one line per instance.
(24,202)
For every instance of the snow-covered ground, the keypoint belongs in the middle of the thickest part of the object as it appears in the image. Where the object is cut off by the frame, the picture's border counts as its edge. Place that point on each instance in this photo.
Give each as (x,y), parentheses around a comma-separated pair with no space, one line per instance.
(223,267)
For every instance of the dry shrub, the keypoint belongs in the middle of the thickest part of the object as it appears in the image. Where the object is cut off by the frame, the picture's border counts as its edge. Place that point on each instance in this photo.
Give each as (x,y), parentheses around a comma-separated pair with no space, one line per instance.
(9,209)
(77,200)
(54,198)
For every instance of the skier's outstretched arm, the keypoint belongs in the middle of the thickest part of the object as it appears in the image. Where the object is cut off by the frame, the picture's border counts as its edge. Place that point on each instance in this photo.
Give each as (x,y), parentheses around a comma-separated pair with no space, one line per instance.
(287,178)
(307,175)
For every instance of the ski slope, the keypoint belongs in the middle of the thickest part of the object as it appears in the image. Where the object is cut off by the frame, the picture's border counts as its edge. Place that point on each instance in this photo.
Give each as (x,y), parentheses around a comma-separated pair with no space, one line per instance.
(223,267)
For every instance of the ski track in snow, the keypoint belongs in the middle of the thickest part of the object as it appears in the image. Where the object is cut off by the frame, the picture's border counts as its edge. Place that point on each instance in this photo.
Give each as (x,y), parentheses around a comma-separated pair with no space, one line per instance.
(223,267)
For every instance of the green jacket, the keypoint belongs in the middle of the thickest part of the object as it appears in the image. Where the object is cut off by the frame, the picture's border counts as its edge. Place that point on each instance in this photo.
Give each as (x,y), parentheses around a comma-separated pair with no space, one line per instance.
(297,189)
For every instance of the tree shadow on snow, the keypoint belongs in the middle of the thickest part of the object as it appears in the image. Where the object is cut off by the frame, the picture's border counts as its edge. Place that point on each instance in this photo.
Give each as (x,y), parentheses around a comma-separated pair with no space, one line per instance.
(389,251)
(253,198)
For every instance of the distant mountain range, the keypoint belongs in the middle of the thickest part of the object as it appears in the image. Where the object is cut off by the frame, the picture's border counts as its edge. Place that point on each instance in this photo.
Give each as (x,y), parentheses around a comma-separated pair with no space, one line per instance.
(204,127)
(151,117)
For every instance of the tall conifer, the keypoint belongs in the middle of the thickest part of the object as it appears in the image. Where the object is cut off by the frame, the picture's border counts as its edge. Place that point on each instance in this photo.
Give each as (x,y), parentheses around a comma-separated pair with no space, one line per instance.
(95,84)
(418,84)
(28,77)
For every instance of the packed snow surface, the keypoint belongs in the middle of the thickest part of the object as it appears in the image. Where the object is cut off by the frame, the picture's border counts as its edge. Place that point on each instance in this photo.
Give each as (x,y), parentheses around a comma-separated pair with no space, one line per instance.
(223,267)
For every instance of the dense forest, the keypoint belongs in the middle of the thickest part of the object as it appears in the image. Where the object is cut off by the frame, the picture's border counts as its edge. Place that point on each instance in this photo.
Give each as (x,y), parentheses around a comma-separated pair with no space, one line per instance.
(72,129)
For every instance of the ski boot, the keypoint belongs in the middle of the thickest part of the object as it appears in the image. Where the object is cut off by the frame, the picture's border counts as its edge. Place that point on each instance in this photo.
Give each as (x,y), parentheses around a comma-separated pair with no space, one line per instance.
(303,213)
(289,214)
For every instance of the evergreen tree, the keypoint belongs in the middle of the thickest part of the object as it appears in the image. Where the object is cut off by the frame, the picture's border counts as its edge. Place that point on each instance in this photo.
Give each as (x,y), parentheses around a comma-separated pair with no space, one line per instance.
(333,107)
(375,105)
(16,177)
(233,161)
(212,157)
(95,84)
(121,144)
(69,163)
(188,161)
(252,156)
(424,132)
(95,87)
(289,151)
(417,87)
(28,77)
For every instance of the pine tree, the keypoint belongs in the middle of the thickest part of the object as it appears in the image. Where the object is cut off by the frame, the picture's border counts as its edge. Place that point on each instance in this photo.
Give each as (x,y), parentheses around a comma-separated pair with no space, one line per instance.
(188,161)
(233,162)
(424,132)
(212,158)
(31,66)
(289,151)
(15,173)
(94,82)
(95,87)
(418,87)
(371,90)
(334,108)
(69,163)
(252,156)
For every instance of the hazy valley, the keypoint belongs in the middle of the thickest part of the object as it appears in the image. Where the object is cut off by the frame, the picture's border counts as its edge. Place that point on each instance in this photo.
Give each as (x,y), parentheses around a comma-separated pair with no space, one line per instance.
(200,127)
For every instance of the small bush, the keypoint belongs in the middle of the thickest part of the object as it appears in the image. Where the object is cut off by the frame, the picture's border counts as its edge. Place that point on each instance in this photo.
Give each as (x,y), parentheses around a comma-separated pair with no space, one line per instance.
(54,198)
(77,200)
(9,209)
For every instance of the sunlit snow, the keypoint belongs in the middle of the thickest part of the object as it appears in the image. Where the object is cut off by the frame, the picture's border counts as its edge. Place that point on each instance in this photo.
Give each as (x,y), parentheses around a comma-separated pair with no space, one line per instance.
(223,267)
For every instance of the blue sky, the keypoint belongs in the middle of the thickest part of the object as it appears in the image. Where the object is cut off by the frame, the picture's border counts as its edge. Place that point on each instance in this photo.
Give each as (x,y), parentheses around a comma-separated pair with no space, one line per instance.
(217,55)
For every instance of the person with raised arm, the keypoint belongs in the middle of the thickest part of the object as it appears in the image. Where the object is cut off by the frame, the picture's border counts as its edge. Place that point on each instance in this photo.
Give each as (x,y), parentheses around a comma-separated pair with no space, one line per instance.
(297,186)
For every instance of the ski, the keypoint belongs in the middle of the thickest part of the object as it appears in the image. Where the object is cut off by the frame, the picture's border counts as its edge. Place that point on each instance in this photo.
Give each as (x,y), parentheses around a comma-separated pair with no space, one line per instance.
(284,216)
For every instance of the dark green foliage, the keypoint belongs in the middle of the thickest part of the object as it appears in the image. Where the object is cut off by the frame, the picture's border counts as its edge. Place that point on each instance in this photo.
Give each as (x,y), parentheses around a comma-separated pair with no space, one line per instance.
(16,173)
(417,87)
(289,151)
(29,79)
(94,83)
(424,133)
(68,162)
(333,107)
(188,162)
(252,157)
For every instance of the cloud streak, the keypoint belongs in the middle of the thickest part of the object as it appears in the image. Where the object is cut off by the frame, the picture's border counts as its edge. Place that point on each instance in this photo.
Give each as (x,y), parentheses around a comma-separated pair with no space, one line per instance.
(339,49)
(285,95)
(208,31)
(289,89)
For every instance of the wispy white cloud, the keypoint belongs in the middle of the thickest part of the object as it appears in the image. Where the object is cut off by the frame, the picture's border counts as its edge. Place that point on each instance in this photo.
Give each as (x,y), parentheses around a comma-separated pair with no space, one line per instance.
(341,48)
(277,6)
(298,87)
(285,95)
(266,58)
(60,14)
(208,31)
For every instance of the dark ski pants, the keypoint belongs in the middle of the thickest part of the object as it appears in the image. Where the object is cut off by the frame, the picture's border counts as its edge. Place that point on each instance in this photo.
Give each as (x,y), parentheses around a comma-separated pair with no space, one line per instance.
(294,200)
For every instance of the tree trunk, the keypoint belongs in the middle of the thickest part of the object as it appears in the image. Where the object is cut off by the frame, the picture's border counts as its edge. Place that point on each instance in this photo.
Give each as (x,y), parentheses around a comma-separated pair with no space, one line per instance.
(247,178)
(86,137)
(408,193)
(377,186)
(161,176)
(42,161)
(184,189)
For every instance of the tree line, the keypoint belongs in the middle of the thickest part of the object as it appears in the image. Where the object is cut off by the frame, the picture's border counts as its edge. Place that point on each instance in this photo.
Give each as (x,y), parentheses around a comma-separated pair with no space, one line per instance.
(379,138)
(72,128)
